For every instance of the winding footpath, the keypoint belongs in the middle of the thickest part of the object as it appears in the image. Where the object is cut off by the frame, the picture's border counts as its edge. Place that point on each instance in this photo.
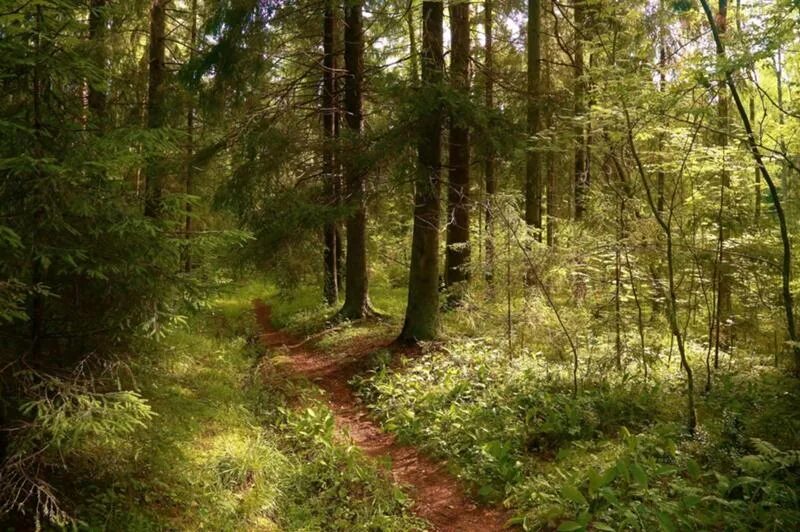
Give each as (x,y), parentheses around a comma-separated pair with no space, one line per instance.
(438,496)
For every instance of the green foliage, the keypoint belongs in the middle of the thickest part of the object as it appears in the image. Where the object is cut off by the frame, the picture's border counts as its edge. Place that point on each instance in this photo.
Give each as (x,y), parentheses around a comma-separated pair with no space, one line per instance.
(212,446)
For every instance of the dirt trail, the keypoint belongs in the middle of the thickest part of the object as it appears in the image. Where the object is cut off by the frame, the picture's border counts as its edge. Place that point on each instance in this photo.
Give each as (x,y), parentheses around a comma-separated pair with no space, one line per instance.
(438,496)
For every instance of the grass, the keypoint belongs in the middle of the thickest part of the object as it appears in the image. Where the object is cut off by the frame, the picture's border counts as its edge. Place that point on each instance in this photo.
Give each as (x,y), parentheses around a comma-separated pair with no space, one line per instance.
(224,450)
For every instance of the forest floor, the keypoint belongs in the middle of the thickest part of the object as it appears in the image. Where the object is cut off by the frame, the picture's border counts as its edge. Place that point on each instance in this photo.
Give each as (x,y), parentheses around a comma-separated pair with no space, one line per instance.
(438,497)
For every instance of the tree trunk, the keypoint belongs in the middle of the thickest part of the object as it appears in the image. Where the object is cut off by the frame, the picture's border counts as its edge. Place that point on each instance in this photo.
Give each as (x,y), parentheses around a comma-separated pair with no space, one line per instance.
(672,300)
(581,160)
(329,66)
(155,104)
(550,156)
(723,306)
(190,115)
(488,169)
(422,312)
(786,267)
(97,35)
(412,43)
(356,302)
(533,173)
(457,257)
(662,87)
(782,142)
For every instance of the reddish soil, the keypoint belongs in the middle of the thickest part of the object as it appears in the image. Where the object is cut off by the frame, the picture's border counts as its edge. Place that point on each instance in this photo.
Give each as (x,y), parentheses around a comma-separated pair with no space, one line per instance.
(438,496)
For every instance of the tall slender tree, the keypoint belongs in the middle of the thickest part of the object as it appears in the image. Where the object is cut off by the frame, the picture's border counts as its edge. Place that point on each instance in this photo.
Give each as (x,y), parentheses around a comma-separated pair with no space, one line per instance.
(156,107)
(533,172)
(190,140)
(356,303)
(412,43)
(457,256)
(422,312)
(552,191)
(488,166)
(581,159)
(780,214)
(723,273)
(331,236)
(98,21)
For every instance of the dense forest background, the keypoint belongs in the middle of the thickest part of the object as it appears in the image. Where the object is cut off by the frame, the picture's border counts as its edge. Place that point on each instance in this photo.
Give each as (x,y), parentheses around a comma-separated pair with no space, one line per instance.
(571,221)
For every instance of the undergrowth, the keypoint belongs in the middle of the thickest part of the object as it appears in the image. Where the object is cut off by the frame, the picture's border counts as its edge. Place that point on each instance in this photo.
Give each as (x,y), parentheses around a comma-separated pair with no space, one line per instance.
(615,456)
(226,450)
(612,457)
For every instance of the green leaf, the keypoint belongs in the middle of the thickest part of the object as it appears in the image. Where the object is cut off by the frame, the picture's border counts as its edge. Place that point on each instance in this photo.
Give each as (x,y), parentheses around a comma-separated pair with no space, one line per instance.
(693,468)
(570,526)
(666,470)
(608,476)
(573,494)
(639,474)
(622,469)
(691,500)
(666,522)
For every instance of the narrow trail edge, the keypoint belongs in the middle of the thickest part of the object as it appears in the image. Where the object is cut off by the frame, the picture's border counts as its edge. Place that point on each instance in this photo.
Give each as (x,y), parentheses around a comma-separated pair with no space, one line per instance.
(438,496)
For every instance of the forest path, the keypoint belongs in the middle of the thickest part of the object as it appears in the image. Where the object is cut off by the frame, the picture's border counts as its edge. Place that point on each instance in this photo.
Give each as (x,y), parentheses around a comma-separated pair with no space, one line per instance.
(438,496)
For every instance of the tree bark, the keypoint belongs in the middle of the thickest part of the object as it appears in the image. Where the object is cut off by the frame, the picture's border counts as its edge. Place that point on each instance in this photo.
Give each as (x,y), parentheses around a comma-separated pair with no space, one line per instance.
(488,168)
(412,43)
(422,312)
(662,87)
(533,169)
(190,116)
(581,159)
(356,302)
(552,194)
(457,256)
(723,304)
(155,104)
(97,35)
(330,234)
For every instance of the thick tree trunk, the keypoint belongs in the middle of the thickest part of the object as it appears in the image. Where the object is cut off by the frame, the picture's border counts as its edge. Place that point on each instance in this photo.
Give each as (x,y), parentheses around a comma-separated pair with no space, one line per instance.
(488,169)
(155,103)
(457,257)
(533,173)
(422,312)
(329,66)
(356,302)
